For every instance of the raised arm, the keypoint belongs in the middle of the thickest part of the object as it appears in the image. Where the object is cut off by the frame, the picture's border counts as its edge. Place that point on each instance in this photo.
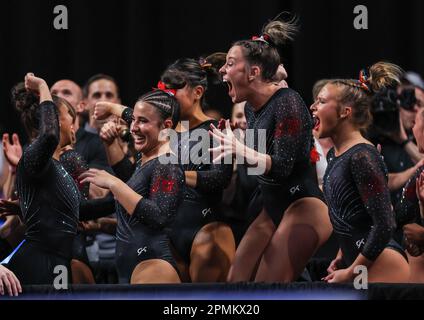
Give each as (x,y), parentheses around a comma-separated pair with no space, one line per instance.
(37,157)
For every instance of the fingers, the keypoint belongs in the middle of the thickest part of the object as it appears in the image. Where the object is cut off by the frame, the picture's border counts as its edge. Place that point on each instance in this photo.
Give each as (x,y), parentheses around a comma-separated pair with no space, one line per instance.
(87,180)
(329,277)
(15,139)
(228,126)
(109,132)
(101,110)
(6,282)
(13,285)
(89,173)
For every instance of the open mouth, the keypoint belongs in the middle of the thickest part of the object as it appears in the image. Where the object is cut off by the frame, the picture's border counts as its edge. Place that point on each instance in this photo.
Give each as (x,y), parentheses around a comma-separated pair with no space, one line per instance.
(230,87)
(317,122)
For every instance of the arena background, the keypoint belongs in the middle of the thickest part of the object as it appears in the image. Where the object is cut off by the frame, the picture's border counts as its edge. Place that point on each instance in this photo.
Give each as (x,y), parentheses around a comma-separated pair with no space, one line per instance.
(135,40)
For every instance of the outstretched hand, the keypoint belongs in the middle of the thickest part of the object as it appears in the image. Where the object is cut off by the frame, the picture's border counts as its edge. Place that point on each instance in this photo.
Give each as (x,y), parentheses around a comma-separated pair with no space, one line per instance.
(12,151)
(100,178)
(228,142)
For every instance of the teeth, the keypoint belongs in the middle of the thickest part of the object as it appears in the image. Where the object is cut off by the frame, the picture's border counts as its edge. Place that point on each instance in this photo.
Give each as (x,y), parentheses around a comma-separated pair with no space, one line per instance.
(224,80)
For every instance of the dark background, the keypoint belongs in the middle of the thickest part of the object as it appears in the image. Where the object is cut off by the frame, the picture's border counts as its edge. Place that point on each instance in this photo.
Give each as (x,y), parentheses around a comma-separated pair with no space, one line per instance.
(135,40)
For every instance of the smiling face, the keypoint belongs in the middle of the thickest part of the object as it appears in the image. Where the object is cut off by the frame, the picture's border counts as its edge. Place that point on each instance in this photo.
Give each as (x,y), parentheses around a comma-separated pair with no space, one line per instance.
(235,73)
(325,112)
(146,127)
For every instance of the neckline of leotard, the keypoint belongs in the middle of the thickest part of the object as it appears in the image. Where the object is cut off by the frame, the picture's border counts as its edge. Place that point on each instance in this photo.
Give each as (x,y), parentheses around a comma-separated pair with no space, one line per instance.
(350,149)
(266,104)
(142,165)
(200,124)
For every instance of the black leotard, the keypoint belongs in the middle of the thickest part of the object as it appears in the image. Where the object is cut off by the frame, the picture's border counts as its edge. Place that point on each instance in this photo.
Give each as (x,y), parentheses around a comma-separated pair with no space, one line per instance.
(199,205)
(288,126)
(141,236)
(49,200)
(74,163)
(408,208)
(355,187)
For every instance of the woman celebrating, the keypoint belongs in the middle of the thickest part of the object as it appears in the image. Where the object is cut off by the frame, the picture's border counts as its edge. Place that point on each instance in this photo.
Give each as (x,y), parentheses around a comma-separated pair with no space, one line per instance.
(204,246)
(293,218)
(49,197)
(355,182)
(148,202)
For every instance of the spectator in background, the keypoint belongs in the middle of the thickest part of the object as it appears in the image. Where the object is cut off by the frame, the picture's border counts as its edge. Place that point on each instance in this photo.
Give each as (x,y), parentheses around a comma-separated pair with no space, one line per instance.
(99,87)
(72,92)
(395,137)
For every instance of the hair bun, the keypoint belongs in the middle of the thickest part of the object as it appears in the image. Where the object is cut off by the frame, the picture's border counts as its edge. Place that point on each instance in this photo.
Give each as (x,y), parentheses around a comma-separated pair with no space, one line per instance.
(281,31)
(384,75)
(23,100)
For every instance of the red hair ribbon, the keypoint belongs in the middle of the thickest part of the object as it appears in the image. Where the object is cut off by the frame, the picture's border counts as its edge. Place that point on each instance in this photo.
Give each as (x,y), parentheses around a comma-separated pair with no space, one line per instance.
(264,38)
(162,86)
(363,80)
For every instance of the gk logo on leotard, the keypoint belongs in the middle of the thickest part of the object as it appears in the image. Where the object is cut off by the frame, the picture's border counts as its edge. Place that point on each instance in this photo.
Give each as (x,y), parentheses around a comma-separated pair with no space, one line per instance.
(295,189)
(360,243)
(61,281)
(141,250)
(206,211)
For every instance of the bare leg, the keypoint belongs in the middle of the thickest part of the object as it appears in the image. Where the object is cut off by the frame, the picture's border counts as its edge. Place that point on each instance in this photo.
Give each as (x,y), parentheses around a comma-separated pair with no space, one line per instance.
(251,248)
(304,228)
(416,265)
(154,271)
(81,273)
(390,266)
(212,253)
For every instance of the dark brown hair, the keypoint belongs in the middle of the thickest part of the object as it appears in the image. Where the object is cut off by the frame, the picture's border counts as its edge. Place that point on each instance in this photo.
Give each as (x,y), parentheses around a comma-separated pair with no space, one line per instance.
(265,53)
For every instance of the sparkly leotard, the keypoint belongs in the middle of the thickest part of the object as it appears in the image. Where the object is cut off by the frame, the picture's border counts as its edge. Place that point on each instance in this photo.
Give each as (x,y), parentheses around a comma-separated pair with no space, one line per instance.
(355,187)
(198,207)
(288,136)
(49,200)
(408,208)
(141,236)
(74,163)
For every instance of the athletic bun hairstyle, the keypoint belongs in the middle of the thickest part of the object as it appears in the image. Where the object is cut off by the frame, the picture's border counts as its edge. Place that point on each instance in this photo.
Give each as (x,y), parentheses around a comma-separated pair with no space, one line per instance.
(384,75)
(359,94)
(280,31)
(264,50)
(26,103)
